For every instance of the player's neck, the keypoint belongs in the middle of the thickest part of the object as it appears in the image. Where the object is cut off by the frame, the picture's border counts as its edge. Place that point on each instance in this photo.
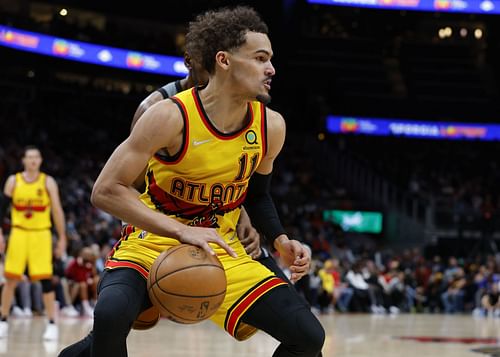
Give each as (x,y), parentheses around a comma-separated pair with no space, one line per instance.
(30,175)
(227,112)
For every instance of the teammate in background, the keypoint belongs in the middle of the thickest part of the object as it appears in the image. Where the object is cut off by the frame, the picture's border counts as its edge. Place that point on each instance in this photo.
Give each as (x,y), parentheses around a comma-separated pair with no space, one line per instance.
(213,139)
(34,196)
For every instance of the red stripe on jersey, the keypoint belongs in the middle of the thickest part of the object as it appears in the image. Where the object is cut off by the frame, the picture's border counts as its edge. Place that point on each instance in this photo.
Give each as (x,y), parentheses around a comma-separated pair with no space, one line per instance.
(263,128)
(112,264)
(185,140)
(243,305)
(30,208)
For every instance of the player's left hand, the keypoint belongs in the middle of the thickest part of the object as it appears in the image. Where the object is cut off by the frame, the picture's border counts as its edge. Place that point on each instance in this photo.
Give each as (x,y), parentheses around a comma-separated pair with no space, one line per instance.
(295,256)
(250,238)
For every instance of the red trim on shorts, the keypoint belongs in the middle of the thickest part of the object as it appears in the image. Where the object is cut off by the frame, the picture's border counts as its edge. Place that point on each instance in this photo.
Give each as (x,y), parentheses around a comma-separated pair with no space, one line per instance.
(237,310)
(41,277)
(113,264)
(12,276)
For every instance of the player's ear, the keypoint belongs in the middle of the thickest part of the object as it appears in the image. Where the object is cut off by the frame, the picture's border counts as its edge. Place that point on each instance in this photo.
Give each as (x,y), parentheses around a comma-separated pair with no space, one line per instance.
(222,59)
(188,61)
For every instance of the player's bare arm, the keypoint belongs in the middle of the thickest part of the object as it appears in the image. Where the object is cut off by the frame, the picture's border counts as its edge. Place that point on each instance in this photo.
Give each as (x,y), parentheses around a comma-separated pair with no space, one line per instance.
(57,215)
(161,126)
(148,102)
(8,189)
(291,251)
(5,202)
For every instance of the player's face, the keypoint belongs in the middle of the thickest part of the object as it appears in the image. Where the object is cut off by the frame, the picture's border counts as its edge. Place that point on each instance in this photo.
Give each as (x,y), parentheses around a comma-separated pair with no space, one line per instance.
(32,159)
(198,74)
(251,66)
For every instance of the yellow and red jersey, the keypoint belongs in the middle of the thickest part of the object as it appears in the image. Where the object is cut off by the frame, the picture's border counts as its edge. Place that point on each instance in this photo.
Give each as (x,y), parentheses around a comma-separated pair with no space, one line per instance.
(31,203)
(205,183)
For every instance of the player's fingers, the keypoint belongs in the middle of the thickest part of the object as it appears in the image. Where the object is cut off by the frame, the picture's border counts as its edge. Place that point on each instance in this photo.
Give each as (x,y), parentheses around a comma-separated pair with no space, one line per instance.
(257,253)
(219,241)
(301,261)
(253,249)
(299,268)
(248,237)
(245,240)
(240,231)
(206,247)
(298,272)
(252,234)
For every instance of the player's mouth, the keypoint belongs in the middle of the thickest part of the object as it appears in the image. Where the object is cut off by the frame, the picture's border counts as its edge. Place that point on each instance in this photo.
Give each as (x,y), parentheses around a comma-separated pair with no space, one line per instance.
(267,84)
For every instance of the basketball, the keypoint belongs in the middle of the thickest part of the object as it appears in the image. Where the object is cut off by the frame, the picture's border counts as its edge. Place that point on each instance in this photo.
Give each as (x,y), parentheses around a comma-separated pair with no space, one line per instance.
(186,284)
(147,319)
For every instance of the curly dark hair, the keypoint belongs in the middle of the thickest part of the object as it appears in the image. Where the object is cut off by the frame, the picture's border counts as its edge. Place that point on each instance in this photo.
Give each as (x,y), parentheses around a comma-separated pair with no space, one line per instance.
(221,30)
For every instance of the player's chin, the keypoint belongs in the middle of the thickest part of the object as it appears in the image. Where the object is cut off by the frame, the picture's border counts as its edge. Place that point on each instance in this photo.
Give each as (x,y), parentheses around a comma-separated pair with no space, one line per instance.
(264,98)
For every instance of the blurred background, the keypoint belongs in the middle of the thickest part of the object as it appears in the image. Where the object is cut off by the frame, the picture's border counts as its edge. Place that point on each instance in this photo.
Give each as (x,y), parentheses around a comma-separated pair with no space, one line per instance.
(392,146)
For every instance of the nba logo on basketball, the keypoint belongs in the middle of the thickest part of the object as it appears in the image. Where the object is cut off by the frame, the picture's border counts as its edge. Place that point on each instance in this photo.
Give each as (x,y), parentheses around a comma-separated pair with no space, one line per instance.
(197,253)
(203,309)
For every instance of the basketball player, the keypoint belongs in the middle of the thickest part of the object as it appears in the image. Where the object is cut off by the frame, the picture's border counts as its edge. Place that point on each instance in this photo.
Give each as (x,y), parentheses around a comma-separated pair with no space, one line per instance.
(33,196)
(247,234)
(213,139)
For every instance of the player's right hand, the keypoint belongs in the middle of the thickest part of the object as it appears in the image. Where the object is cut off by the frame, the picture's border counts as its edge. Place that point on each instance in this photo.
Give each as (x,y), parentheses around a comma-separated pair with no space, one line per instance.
(201,236)
(250,239)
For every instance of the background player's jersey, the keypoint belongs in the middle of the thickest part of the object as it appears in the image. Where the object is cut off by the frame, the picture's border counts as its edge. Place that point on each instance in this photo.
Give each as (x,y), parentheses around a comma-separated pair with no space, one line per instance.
(170,89)
(205,183)
(31,203)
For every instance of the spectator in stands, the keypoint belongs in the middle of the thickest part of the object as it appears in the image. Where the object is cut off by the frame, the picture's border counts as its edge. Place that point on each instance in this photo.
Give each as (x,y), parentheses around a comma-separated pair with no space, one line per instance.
(83,278)
(61,289)
(481,279)
(490,302)
(375,288)
(342,294)
(361,297)
(325,299)
(394,287)
(453,296)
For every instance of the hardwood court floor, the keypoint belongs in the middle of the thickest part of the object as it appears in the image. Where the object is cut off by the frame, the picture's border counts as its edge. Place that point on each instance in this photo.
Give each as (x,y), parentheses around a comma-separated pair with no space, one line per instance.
(347,336)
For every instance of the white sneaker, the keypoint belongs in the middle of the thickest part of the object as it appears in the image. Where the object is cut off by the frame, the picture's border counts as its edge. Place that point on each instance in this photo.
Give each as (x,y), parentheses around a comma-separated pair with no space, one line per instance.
(394,310)
(4,329)
(51,332)
(70,311)
(17,311)
(496,313)
(27,312)
(88,311)
(478,312)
